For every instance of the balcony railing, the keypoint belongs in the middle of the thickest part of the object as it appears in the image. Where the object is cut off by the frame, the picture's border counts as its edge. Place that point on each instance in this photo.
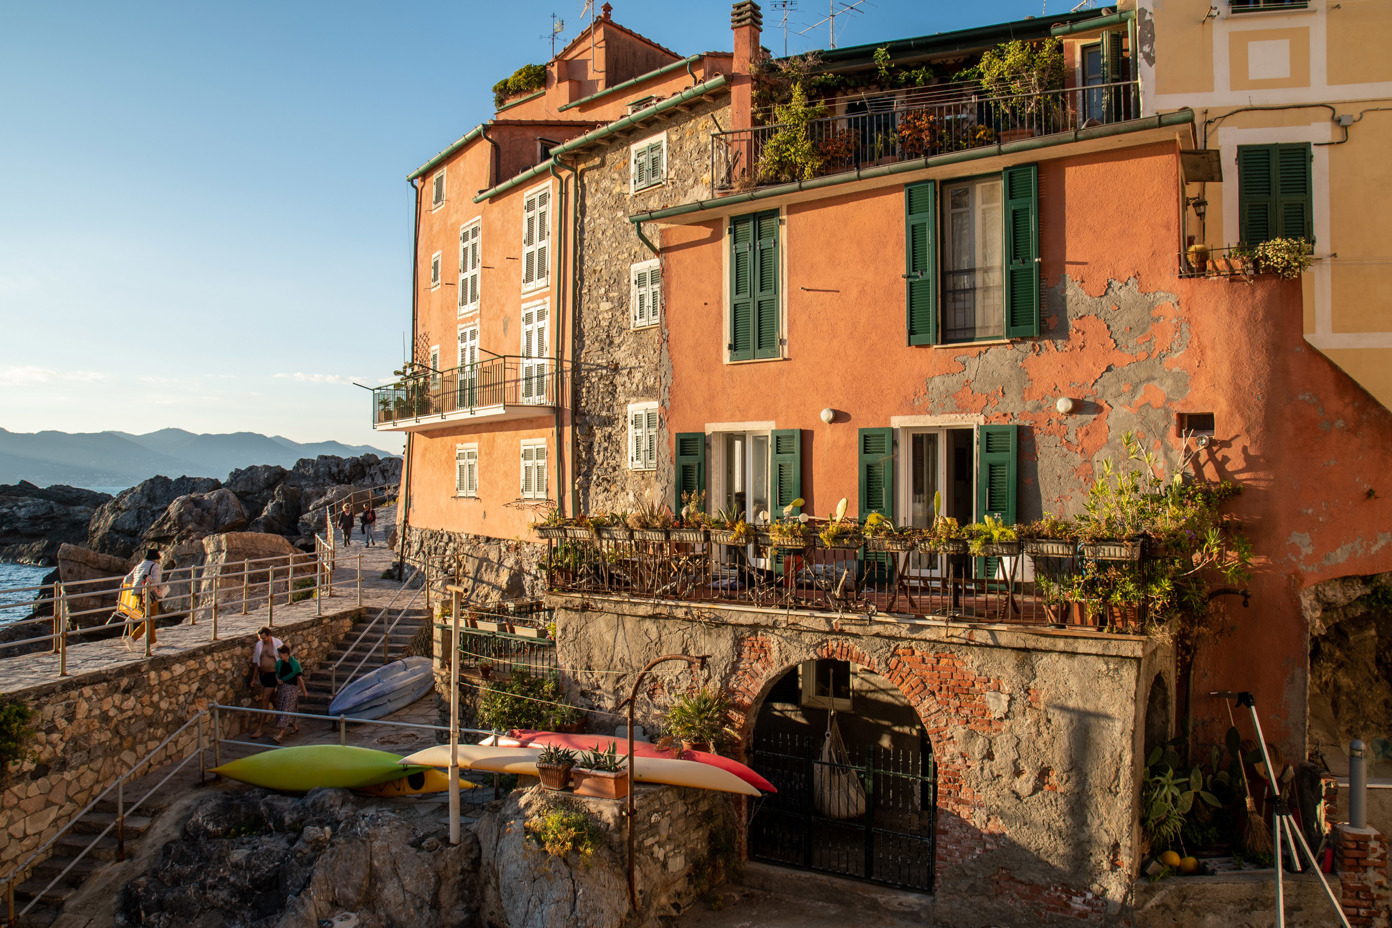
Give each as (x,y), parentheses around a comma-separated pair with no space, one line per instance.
(500,387)
(1050,583)
(913,124)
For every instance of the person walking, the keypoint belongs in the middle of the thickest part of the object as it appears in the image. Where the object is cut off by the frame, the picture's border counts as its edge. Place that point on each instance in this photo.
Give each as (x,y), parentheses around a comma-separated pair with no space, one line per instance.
(140,595)
(345,522)
(369,516)
(263,667)
(290,686)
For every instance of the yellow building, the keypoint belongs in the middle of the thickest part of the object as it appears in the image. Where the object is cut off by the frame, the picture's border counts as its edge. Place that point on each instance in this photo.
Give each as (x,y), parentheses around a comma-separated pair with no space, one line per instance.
(1296,96)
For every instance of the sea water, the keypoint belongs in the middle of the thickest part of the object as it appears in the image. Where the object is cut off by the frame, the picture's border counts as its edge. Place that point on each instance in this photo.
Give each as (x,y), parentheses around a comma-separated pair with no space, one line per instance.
(13,579)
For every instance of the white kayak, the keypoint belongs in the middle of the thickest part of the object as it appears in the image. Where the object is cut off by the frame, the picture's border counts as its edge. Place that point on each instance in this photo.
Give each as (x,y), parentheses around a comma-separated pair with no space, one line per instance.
(388,688)
(522,760)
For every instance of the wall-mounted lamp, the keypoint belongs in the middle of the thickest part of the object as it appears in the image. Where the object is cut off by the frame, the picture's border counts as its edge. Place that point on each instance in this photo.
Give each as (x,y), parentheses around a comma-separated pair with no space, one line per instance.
(1202,441)
(1064,405)
(828,414)
(1212,13)
(1200,206)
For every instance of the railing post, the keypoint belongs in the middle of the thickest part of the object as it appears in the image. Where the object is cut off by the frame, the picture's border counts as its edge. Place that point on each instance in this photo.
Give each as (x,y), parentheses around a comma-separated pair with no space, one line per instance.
(270,595)
(217,588)
(193,597)
(202,758)
(53,593)
(360,580)
(217,735)
(244,586)
(121,818)
(1358,785)
(61,609)
(318,586)
(342,729)
(149,623)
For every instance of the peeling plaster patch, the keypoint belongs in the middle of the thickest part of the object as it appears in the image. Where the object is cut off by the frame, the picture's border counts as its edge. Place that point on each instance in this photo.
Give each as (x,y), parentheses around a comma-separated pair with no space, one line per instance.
(1302,541)
(1153,396)
(1356,548)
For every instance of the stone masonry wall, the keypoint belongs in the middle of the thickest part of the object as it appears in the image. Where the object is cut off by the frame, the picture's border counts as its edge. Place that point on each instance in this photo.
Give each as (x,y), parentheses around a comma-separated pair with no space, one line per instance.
(94,726)
(1361,859)
(496,569)
(618,364)
(1036,735)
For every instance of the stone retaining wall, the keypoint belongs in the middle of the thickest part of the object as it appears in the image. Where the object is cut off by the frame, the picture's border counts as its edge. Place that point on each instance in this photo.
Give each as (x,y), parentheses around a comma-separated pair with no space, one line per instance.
(92,727)
(1361,859)
(1037,737)
(496,569)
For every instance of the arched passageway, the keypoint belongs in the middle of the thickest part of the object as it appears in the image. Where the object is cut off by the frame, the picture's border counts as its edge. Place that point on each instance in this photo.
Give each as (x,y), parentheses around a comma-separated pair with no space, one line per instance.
(855,775)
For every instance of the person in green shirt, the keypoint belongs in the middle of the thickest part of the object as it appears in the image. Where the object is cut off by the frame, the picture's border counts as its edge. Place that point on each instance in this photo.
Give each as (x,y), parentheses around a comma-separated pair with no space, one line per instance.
(290,686)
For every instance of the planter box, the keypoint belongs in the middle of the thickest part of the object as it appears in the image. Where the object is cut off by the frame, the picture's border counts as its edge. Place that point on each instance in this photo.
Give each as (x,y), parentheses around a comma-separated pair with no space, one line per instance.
(890,543)
(600,784)
(613,532)
(1003,549)
(577,533)
(549,531)
(844,543)
(1126,618)
(1113,551)
(651,535)
(688,536)
(554,776)
(725,537)
(785,541)
(484,625)
(527,631)
(954,546)
(1050,547)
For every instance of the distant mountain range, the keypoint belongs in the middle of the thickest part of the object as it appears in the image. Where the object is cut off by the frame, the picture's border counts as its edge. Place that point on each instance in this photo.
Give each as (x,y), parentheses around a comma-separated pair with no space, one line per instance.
(119,459)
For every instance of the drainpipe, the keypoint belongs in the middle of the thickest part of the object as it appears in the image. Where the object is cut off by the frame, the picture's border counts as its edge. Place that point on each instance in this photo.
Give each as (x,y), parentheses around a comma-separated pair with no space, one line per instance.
(492,162)
(574,323)
(638,227)
(405,518)
(560,321)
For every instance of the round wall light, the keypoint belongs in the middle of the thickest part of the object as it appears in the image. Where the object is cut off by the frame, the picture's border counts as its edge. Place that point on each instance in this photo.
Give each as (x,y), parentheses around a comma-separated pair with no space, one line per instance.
(1064,405)
(828,414)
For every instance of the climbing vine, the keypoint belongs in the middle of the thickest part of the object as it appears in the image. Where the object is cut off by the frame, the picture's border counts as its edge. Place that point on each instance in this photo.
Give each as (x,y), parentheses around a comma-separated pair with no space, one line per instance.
(16,728)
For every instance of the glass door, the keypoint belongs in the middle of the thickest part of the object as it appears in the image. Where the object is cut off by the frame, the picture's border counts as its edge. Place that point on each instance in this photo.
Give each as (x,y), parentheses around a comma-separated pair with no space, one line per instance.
(468,367)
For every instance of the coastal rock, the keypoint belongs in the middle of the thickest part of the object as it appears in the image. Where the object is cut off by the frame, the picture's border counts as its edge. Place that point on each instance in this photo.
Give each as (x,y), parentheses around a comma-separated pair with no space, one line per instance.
(260,860)
(255,486)
(327,470)
(196,516)
(281,514)
(526,887)
(89,603)
(118,527)
(323,505)
(35,521)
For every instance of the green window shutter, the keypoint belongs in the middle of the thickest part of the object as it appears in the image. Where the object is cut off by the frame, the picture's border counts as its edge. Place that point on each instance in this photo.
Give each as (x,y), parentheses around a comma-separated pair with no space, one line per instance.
(876,453)
(691,464)
(1294,191)
(1256,193)
(786,468)
(655,172)
(1020,191)
(742,288)
(921,261)
(766,327)
(997,472)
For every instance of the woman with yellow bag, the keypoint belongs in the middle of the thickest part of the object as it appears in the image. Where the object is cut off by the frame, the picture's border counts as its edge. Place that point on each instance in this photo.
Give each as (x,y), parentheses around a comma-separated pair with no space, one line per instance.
(140,593)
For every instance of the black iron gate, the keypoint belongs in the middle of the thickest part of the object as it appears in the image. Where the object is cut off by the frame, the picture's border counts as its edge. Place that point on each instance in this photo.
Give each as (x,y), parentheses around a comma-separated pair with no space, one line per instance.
(891,841)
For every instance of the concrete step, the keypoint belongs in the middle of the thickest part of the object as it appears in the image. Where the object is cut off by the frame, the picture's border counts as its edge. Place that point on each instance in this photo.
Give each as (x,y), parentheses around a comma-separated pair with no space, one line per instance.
(93,822)
(72,845)
(33,888)
(80,871)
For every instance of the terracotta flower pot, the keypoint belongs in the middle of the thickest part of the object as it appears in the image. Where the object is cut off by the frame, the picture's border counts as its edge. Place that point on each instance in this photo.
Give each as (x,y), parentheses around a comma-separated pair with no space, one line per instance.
(554,776)
(601,784)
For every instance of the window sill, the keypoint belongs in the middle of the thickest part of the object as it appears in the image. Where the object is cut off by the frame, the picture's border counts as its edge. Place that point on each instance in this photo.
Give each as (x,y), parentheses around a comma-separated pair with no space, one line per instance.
(757,360)
(544,284)
(974,344)
(466,496)
(436,207)
(644,328)
(653,186)
(642,470)
(468,311)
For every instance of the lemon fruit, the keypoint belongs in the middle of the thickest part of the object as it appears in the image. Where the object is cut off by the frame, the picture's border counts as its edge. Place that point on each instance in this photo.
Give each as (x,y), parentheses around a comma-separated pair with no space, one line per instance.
(1170,859)
(1188,865)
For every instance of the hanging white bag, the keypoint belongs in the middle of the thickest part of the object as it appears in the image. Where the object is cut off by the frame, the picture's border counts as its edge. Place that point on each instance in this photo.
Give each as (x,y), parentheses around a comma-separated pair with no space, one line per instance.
(836,788)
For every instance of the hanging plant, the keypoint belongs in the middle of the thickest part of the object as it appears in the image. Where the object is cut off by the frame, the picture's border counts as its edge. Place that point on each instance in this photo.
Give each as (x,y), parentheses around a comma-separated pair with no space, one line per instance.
(1287,258)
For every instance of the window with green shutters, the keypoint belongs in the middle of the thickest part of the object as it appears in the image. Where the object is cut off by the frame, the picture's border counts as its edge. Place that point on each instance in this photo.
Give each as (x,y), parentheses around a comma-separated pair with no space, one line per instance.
(1275,196)
(997,475)
(755,330)
(876,463)
(648,163)
(785,466)
(971,258)
(691,466)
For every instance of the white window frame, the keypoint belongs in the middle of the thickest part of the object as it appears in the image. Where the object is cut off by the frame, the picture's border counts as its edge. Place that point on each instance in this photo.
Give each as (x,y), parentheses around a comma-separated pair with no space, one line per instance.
(640,173)
(466,471)
(533,484)
(645,300)
(535,364)
(643,427)
(437,190)
(809,695)
(435,367)
(435,261)
(467,376)
(536,237)
(470,259)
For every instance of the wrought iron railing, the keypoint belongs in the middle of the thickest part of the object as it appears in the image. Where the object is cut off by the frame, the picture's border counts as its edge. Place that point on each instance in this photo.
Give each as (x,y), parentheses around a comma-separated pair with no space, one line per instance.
(493,383)
(904,126)
(1022,583)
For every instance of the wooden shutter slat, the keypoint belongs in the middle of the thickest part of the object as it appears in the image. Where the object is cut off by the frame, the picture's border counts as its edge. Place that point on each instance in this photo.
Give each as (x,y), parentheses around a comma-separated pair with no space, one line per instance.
(1020,191)
(921,262)
(786,467)
(876,465)
(741,288)
(766,286)
(690,464)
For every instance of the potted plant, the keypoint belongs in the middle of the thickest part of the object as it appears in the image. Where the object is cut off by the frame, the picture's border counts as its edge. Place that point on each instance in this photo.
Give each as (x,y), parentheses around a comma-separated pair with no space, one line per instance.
(837,532)
(1197,256)
(1287,258)
(651,521)
(485,670)
(691,527)
(601,774)
(881,535)
(728,527)
(1049,537)
(791,530)
(698,722)
(992,538)
(552,525)
(612,527)
(553,765)
(580,528)
(946,536)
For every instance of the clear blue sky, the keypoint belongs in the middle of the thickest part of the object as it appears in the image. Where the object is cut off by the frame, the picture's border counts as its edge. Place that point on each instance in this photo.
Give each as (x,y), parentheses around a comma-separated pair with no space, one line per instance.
(204,217)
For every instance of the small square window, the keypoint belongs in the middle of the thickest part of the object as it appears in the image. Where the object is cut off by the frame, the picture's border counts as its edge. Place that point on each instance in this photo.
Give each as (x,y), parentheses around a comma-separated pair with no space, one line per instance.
(826,684)
(648,163)
(534,469)
(437,196)
(1197,424)
(435,270)
(466,470)
(646,293)
(642,436)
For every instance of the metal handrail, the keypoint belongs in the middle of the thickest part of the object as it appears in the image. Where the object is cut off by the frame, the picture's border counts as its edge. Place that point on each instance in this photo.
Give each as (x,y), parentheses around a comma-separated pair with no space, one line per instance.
(503,380)
(118,784)
(333,671)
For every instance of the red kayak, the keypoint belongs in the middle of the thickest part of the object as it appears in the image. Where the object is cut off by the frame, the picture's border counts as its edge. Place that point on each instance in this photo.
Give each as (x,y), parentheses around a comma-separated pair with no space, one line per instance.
(528,738)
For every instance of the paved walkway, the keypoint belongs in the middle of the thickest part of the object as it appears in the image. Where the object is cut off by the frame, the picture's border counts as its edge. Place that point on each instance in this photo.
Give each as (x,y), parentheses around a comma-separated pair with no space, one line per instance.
(28,670)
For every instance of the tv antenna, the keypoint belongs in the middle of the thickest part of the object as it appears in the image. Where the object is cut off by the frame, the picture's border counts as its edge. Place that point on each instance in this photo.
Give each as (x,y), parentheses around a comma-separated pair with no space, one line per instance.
(786,6)
(830,20)
(557,27)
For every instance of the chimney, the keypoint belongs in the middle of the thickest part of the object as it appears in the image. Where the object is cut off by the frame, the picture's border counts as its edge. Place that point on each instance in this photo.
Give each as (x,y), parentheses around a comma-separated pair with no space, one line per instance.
(746,21)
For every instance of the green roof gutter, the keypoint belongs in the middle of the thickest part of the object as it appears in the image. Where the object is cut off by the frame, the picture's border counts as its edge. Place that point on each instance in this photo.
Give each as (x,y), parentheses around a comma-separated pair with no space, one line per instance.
(595,135)
(665,69)
(903,167)
(468,137)
(1088,25)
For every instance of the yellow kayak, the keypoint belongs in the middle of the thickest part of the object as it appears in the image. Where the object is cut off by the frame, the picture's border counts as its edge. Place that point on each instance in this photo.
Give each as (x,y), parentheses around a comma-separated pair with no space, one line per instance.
(645,770)
(301,769)
(414,784)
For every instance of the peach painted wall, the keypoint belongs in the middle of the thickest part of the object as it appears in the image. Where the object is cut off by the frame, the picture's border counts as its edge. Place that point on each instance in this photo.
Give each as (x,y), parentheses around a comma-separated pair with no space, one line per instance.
(1306,441)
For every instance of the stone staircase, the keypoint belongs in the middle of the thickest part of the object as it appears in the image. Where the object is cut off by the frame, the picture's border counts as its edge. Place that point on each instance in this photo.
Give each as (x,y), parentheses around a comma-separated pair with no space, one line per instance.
(346,655)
